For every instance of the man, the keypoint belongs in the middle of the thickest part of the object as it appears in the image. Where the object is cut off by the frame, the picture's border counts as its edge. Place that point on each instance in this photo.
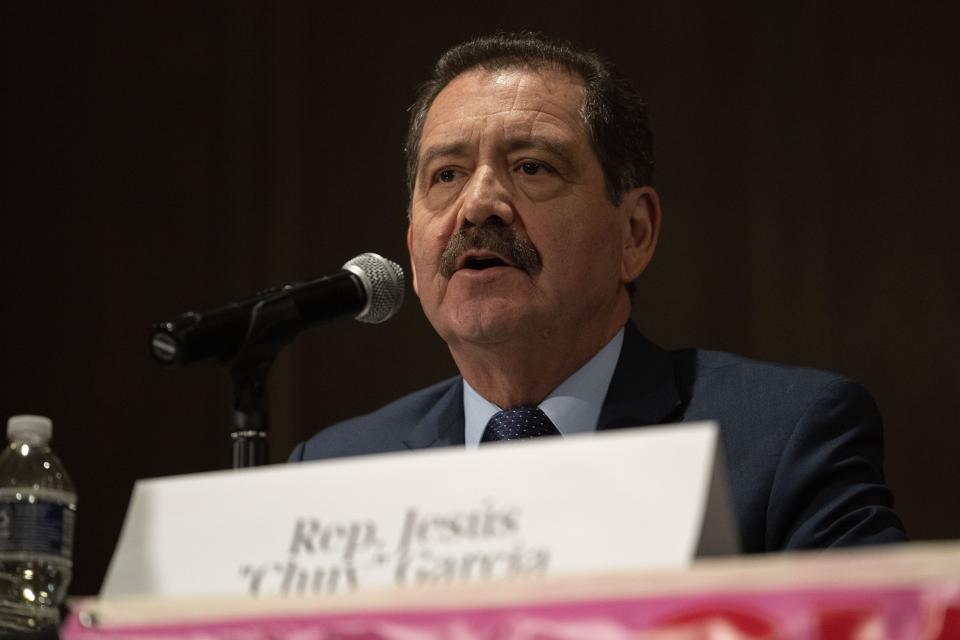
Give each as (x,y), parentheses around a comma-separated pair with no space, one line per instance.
(531,213)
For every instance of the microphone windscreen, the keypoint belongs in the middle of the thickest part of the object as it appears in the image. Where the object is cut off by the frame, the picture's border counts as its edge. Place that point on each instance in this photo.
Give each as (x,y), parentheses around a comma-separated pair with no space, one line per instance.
(384,282)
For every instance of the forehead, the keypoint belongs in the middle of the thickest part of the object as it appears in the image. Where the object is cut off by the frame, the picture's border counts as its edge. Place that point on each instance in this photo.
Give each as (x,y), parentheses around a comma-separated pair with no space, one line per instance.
(541,101)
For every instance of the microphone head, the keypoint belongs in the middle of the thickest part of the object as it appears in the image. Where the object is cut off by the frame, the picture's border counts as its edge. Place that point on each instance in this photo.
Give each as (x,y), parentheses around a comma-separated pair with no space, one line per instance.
(383,280)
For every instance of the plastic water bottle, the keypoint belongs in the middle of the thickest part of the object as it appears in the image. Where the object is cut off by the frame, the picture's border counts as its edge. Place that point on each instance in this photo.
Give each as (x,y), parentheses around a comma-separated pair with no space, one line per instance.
(38,507)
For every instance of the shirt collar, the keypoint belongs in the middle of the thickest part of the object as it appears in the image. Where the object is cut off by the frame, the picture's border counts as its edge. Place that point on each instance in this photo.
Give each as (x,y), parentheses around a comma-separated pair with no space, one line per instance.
(573,407)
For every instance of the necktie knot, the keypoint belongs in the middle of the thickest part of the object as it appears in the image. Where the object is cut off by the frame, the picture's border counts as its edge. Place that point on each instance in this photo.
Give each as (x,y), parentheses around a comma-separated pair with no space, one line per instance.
(518,423)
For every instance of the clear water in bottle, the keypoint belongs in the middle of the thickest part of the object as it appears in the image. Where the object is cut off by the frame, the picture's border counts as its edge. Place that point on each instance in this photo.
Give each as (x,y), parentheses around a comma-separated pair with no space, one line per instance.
(38,505)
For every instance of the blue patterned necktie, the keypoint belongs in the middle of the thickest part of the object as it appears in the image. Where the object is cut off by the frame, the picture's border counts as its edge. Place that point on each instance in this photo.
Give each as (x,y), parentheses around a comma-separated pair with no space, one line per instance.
(517,423)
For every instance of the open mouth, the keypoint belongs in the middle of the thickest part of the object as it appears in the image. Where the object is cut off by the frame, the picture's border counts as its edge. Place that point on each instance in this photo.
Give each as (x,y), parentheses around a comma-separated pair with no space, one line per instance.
(479,263)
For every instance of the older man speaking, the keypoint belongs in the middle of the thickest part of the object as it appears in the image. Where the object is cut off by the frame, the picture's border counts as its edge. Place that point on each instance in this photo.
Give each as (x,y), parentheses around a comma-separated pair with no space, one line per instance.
(531,213)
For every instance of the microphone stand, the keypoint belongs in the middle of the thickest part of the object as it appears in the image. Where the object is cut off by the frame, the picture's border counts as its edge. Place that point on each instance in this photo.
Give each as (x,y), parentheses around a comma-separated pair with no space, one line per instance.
(274,323)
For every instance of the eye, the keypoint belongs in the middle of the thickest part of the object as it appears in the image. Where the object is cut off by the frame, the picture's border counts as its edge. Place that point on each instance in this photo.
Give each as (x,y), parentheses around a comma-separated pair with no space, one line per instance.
(446,175)
(531,168)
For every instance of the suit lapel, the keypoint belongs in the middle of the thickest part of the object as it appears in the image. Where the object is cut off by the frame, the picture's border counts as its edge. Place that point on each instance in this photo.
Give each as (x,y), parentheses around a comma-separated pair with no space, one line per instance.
(442,425)
(643,390)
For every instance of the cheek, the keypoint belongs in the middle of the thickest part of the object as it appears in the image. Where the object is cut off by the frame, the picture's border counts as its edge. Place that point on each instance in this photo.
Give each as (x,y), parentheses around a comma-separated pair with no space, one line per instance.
(425,248)
(583,250)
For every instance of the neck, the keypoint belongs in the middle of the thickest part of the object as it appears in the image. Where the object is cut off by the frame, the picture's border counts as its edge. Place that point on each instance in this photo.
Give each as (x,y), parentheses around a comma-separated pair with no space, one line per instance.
(525,371)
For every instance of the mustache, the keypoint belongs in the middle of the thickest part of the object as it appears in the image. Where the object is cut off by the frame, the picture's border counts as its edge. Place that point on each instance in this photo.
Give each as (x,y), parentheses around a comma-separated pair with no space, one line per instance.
(504,241)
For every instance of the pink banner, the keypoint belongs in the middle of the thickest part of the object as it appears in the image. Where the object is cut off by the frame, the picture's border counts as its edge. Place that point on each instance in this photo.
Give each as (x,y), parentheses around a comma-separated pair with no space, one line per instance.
(928,612)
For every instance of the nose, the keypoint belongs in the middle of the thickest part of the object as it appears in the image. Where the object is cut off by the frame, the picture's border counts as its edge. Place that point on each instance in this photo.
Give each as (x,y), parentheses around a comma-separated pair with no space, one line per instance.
(486,197)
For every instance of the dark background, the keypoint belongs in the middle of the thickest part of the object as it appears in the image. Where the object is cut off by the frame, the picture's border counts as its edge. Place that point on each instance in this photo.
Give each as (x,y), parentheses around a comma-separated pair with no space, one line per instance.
(166,156)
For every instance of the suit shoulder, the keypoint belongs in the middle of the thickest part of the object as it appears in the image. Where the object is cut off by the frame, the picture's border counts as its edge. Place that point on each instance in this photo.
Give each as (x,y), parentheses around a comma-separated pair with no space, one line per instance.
(757,376)
(763,398)
(376,432)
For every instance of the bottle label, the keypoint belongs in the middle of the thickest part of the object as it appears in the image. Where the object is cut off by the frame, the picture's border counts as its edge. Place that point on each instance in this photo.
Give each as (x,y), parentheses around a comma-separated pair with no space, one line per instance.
(37,527)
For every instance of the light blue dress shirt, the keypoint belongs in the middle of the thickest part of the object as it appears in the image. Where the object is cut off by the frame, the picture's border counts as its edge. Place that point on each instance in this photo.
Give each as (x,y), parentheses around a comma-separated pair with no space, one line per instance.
(573,407)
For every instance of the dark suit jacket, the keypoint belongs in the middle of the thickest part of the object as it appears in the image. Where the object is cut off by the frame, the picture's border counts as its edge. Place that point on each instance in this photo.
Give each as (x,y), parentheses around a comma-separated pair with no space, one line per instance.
(804,448)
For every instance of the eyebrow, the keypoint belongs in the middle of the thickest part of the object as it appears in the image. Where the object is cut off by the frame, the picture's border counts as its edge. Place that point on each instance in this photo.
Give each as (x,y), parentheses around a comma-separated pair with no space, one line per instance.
(558,148)
(439,151)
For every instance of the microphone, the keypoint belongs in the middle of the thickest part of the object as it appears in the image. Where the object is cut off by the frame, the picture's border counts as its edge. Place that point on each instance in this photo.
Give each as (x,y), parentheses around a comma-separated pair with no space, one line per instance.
(369,287)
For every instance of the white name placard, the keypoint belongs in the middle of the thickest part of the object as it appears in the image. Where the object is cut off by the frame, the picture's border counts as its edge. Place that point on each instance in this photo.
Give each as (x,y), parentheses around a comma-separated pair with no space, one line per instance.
(618,500)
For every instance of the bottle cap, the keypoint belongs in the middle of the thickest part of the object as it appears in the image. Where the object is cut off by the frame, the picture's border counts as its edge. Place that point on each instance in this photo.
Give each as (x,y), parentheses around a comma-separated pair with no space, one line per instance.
(39,427)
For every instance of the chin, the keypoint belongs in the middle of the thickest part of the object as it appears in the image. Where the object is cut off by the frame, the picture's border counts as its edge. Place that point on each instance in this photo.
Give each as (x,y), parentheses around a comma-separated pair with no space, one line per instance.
(487,322)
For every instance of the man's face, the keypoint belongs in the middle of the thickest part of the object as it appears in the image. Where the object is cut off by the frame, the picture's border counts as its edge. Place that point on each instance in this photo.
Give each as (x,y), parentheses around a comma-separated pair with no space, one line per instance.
(511,233)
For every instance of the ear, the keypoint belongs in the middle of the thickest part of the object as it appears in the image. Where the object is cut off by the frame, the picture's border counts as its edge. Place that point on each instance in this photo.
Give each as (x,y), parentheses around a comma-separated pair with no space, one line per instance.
(413,263)
(641,216)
